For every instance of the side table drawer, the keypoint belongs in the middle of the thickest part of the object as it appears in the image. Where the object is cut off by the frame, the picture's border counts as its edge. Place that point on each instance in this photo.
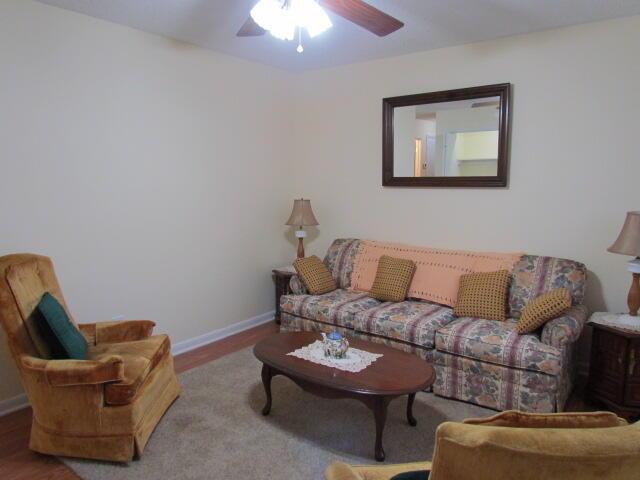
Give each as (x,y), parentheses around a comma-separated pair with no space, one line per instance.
(632,392)
(608,365)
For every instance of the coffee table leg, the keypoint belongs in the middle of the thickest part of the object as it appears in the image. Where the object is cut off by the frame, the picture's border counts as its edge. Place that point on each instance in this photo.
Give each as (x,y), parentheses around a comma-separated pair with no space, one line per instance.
(380,414)
(266,381)
(410,418)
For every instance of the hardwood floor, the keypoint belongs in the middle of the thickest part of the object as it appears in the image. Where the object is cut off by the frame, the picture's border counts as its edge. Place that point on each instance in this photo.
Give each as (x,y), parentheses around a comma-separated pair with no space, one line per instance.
(17,462)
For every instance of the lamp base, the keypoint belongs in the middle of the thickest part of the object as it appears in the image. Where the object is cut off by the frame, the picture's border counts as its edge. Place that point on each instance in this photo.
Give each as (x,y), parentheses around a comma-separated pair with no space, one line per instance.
(300,234)
(633,299)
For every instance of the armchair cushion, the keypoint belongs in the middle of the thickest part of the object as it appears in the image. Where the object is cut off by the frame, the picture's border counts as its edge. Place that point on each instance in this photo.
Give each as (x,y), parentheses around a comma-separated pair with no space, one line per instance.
(65,373)
(65,332)
(139,358)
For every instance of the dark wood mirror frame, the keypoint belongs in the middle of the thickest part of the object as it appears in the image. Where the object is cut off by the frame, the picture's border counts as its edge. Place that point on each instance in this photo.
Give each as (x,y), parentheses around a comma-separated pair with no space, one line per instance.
(502,90)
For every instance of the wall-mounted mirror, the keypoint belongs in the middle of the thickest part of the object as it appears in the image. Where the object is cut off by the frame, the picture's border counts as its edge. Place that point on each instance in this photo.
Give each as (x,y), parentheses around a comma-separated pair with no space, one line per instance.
(454,138)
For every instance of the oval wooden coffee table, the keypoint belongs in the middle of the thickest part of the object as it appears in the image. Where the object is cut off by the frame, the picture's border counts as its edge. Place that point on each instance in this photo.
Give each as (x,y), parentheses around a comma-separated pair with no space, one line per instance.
(394,374)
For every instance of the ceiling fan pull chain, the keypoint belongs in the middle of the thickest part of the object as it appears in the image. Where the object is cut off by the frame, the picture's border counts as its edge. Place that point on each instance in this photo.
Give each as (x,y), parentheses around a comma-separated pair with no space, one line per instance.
(300,49)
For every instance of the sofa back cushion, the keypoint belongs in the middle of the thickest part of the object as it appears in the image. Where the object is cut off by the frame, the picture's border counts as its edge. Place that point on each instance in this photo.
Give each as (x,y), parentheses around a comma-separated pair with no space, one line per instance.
(340,259)
(534,275)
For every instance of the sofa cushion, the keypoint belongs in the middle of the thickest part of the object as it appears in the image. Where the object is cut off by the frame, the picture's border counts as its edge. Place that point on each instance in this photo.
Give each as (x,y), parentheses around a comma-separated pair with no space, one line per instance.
(414,322)
(337,308)
(340,259)
(139,357)
(393,277)
(546,307)
(315,275)
(483,294)
(534,275)
(498,343)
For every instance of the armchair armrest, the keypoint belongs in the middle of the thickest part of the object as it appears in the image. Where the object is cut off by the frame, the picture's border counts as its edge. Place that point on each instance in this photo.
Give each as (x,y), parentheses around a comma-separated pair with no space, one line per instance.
(114,332)
(566,328)
(342,471)
(64,373)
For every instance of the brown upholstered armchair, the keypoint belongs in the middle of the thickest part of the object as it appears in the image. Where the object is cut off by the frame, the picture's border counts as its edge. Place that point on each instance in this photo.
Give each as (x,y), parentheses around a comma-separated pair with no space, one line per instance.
(102,408)
(523,446)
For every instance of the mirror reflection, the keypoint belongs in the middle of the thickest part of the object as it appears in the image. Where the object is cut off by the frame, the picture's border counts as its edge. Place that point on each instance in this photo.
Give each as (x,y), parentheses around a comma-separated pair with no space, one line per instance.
(447,139)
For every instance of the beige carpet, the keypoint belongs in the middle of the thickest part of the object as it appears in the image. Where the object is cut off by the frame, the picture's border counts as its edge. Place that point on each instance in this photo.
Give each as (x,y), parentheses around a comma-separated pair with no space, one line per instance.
(215,430)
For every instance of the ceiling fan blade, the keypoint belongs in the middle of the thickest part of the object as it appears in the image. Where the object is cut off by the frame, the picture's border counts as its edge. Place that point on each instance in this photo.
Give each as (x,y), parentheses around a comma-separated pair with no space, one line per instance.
(250,29)
(365,15)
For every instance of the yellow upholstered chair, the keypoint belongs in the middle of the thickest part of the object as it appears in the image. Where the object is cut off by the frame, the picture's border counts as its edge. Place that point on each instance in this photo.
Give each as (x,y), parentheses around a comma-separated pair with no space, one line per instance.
(523,446)
(105,407)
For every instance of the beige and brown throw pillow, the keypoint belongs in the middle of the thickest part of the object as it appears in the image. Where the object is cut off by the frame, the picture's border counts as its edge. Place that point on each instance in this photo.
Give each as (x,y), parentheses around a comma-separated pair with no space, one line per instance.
(542,309)
(393,278)
(315,275)
(483,295)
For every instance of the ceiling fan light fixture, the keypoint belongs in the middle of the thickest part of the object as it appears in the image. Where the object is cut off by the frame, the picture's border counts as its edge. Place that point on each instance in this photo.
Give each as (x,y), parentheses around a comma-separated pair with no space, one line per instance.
(281,17)
(308,14)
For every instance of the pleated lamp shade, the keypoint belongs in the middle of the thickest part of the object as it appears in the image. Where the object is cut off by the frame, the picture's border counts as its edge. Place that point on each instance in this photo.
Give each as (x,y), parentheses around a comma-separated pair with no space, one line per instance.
(628,242)
(302,215)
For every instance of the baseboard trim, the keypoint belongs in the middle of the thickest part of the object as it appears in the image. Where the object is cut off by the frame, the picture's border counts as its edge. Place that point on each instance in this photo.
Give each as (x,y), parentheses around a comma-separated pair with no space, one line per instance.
(21,401)
(219,334)
(14,403)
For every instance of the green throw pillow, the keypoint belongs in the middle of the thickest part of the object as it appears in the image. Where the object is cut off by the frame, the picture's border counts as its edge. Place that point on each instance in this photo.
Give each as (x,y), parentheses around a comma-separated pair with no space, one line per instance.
(418,475)
(63,330)
(56,350)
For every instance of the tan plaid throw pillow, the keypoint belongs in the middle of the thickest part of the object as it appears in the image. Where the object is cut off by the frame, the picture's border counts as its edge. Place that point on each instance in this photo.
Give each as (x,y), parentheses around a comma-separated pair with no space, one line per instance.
(483,295)
(542,309)
(393,278)
(315,275)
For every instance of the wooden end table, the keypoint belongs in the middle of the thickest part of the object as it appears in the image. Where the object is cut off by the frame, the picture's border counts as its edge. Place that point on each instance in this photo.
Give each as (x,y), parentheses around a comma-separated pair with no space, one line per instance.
(614,371)
(393,375)
(281,276)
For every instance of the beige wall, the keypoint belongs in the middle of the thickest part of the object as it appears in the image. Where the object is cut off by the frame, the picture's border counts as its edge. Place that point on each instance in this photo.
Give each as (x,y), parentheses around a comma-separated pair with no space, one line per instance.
(575,160)
(153,172)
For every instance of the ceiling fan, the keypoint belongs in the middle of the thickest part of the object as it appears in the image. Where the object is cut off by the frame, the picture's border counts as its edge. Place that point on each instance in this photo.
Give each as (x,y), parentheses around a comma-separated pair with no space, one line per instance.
(282,17)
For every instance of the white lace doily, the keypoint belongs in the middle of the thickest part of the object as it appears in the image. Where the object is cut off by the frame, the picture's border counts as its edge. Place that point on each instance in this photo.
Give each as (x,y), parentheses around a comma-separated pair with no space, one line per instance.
(354,361)
(617,320)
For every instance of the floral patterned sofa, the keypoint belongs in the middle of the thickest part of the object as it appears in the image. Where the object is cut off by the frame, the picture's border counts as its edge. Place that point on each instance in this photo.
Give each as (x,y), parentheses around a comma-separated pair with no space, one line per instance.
(480,361)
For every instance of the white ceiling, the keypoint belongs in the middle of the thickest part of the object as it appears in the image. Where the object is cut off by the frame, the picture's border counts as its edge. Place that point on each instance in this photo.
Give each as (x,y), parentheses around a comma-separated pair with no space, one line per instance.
(428,24)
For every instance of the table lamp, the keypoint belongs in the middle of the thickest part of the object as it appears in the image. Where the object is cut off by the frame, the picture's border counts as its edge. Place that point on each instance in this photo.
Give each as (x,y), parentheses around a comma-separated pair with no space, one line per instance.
(628,243)
(301,216)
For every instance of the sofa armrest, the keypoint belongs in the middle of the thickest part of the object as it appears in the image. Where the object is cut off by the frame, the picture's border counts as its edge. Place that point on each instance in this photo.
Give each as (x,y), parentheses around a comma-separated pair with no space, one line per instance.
(64,373)
(296,286)
(342,471)
(566,328)
(114,332)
